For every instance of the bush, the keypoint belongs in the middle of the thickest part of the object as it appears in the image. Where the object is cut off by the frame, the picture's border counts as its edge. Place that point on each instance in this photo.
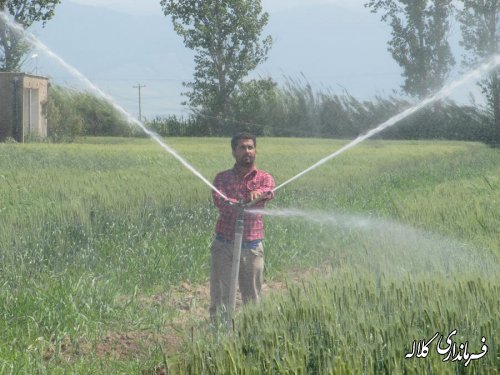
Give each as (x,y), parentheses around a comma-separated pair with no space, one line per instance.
(71,113)
(64,123)
(172,126)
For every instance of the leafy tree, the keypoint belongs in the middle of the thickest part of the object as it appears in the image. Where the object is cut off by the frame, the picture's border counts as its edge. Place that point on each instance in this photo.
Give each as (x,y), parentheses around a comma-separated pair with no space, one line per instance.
(419,41)
(226,38)
(24,12)
(250,105)
(480,25)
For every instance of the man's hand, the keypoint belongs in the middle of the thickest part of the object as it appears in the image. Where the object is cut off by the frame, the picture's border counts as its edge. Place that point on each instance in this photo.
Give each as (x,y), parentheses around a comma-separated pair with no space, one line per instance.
(255,195)
(260,196)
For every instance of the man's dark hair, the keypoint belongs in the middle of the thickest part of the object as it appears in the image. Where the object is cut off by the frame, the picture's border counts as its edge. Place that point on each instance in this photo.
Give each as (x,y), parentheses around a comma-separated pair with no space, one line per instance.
(243,135)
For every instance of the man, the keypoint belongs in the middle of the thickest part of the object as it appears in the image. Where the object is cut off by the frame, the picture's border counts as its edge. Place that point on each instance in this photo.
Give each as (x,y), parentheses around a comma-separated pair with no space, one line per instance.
(244,182)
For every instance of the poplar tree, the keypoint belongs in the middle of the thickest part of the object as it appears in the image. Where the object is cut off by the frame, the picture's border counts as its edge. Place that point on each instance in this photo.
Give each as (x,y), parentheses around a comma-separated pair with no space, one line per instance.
(419,41)
(480,26)
(226,38)
(24,12)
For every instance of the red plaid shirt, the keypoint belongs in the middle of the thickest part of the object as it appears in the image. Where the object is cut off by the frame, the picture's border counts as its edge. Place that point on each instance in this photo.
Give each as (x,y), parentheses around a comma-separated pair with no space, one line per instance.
(239,187)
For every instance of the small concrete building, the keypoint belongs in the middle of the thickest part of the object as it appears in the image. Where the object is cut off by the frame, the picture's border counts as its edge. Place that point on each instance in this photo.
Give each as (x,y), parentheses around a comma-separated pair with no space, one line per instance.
(23,106)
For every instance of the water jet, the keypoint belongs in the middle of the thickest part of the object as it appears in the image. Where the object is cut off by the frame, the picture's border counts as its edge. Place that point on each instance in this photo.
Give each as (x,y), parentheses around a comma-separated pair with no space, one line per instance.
(444,92)
(96,90)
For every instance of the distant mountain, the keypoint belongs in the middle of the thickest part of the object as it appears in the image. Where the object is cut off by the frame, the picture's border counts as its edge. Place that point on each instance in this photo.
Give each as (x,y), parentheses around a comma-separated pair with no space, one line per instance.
(333,48)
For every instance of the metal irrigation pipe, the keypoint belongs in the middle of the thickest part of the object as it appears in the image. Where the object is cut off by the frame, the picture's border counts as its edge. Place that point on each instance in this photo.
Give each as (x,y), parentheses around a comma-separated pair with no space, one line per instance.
(235,268)
(237,243)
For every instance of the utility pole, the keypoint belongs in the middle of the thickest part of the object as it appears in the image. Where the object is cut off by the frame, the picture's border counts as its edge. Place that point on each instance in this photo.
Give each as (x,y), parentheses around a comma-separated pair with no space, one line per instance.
(139,86)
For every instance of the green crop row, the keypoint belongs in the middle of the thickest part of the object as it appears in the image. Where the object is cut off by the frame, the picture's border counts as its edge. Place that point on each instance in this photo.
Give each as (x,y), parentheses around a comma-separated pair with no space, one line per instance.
(352,324)
(96,237)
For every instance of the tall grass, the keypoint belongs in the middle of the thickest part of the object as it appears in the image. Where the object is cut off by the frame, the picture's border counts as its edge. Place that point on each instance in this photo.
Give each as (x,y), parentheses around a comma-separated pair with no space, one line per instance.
(90,230)
(297,110)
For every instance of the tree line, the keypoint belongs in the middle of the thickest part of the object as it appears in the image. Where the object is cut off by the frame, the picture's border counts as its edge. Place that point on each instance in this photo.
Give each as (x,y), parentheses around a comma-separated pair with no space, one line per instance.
(226,37)
(296,110)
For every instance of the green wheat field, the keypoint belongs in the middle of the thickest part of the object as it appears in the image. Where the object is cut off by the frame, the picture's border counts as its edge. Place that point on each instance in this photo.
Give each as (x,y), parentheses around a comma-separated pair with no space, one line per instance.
(104,259)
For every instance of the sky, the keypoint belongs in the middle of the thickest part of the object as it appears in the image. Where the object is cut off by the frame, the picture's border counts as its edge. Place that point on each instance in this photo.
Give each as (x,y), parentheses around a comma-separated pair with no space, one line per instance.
(336,46)
(147,7)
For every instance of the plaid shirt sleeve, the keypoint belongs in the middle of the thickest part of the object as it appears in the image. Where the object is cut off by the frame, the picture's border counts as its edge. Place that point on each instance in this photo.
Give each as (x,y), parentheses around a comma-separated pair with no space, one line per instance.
(222,182)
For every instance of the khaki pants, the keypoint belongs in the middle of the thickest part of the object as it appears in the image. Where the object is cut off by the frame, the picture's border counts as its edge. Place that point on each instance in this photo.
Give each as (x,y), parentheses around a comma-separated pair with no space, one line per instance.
(250,275)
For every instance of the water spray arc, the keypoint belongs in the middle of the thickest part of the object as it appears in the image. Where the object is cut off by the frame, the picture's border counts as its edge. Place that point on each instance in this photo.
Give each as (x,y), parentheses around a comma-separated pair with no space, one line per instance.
(444,92)
(441,94)
(75,72)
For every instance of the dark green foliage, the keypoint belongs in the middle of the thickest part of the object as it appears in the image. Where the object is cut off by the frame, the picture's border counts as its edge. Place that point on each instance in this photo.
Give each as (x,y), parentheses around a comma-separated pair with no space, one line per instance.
(419,41)
(297,110)
(419,45)
(176,126)
(64,123)
(263,108)
(480,25)
(253,105)
(445,120)
(24,12)
(100,117)
(225,36)
(72,114)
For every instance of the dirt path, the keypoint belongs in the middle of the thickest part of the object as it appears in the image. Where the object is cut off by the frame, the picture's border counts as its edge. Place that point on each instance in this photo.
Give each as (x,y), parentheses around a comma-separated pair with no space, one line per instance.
(189,304)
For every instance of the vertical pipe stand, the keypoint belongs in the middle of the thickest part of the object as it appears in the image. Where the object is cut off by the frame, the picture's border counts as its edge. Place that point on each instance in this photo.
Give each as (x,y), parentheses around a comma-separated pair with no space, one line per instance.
(238,240)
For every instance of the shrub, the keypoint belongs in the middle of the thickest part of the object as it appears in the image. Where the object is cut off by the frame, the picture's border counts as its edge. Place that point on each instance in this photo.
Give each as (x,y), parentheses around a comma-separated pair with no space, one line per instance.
(73,113)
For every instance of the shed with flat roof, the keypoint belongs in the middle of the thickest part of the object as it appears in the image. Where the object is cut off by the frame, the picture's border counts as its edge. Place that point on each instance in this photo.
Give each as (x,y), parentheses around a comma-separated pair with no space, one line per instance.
(23,106)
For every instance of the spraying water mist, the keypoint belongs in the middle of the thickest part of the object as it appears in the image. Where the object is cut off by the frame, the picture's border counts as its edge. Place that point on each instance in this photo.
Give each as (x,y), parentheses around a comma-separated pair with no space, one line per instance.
(385,247)
(441,94)
(94,89)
